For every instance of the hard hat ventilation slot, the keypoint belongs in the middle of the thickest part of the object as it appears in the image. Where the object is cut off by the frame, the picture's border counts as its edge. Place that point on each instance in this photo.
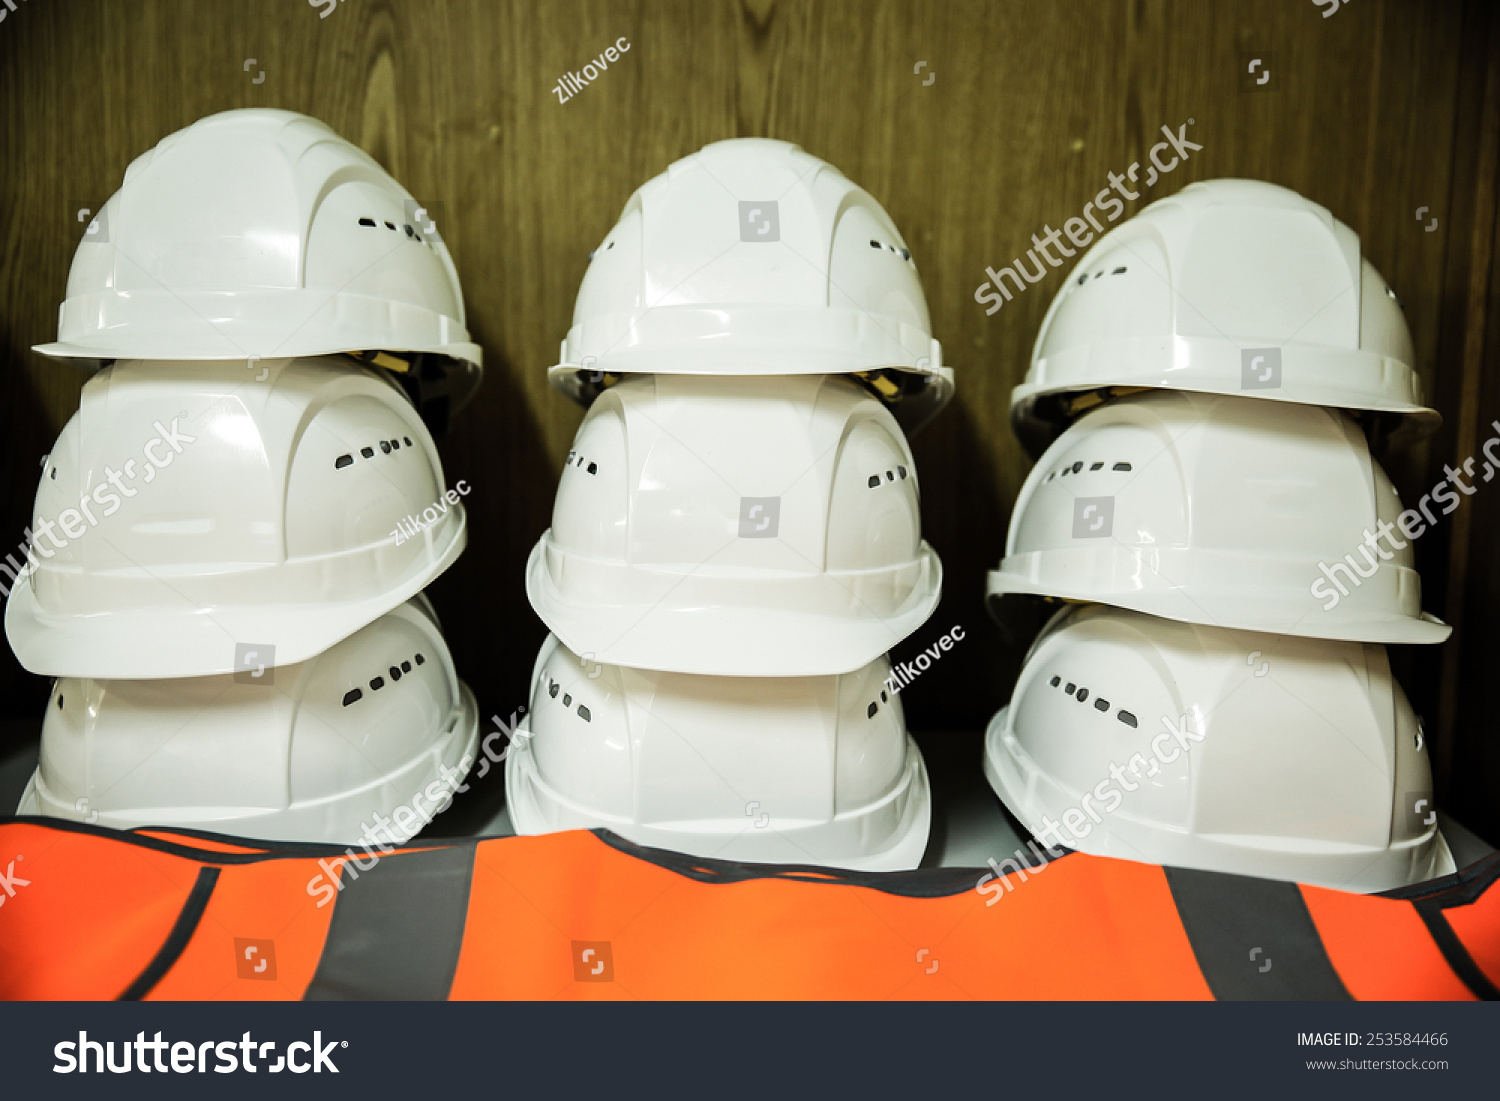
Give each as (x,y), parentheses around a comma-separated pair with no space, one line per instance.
(59,701)
(368,222)
(870,711)
(391,226)
(395,672)
(593,467)
(552,688)
(1100,704)
(905,254)
(890,476)
(386,447)
(1077,468)
(567,700)
(583,713)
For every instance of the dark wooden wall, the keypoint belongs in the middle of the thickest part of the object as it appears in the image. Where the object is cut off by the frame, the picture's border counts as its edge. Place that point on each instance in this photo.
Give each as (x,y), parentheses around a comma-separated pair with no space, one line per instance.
(1381,108)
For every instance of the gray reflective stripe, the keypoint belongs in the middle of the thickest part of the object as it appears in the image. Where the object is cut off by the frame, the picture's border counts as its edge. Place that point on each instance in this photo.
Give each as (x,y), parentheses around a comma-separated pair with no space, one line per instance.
(1238,926)
(397,929)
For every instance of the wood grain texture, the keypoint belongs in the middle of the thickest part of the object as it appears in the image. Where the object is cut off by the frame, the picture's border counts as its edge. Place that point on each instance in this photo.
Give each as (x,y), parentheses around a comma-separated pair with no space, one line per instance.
(1375,112)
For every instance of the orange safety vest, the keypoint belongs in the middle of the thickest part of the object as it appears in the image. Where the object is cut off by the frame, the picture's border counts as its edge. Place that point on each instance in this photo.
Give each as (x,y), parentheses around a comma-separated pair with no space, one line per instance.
(89,913)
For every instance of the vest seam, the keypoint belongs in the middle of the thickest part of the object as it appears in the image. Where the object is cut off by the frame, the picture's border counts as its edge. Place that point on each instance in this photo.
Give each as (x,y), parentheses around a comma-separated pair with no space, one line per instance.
(1454,953)
(178,939)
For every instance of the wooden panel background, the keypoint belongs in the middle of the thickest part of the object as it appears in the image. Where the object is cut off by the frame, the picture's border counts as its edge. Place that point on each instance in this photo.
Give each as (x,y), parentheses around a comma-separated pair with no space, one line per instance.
(1382,108)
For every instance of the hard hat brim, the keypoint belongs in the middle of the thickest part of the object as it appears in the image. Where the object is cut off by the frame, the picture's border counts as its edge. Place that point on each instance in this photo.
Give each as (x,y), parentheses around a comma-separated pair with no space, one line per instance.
(683,340)
(536,808)
(178,638)
(1236,602)
(671,623)
(333,820)
(1023,786)
(1333,378)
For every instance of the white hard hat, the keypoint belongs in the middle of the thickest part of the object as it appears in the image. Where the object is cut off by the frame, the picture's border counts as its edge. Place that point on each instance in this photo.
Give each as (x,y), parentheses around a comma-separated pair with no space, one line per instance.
(741,526)
(312,753)
(1229,286)
(794,770)
(262,233)
(751,257)
(1231,751)
(1221,511)
(282,514)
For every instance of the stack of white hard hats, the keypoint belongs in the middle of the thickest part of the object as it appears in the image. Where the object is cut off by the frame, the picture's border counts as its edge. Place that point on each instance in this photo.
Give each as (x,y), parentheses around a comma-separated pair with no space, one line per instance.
(736,543)
(1204,386)
(232,534)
